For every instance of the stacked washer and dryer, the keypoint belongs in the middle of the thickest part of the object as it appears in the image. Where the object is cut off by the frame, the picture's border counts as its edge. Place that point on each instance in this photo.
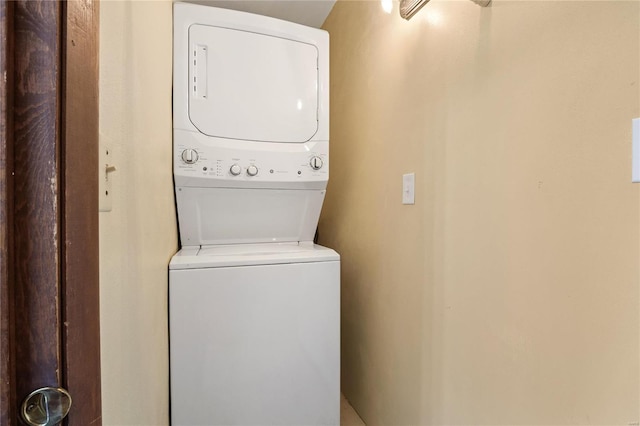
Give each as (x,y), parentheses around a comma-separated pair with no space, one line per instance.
(254,304)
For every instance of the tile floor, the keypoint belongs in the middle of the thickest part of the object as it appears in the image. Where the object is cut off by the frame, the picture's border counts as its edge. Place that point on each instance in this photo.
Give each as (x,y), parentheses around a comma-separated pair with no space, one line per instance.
(348,416)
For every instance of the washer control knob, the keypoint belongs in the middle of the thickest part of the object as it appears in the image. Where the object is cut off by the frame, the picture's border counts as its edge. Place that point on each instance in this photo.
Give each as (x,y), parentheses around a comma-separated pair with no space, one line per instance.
(235,170)
(190,156)
(252,170)
(316,163)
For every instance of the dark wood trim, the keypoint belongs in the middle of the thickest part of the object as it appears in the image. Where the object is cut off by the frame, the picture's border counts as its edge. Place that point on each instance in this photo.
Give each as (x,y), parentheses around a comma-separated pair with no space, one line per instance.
(80,253)
(49,296)
(7,356)
(36,108)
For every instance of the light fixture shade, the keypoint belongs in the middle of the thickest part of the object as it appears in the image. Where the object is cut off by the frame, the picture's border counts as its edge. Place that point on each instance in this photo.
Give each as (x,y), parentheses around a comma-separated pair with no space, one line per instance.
(408,8)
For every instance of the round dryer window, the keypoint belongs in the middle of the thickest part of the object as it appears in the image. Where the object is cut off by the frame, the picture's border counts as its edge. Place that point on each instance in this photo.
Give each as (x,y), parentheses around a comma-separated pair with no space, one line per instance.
(252,86)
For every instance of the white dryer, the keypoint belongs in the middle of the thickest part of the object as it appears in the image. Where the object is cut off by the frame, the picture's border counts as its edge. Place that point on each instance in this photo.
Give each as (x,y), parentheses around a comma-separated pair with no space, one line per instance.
(254,305)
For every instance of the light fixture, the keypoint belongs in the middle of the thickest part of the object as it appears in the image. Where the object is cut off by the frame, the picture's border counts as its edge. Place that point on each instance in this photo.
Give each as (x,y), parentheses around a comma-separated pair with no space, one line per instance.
(408,8)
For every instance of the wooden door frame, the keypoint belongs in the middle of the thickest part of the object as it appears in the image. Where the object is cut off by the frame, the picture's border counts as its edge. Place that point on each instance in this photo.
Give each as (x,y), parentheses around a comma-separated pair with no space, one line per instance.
(49,259)
(80,226)
(7,355)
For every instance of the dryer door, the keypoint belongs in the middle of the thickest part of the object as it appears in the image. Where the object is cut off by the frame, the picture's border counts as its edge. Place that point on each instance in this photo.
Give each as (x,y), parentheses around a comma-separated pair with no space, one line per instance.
(252,86)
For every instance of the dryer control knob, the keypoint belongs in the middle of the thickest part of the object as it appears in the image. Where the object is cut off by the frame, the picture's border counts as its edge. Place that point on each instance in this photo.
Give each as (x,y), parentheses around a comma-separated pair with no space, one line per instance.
(190,156)
(252,170)
(316,163)
(235,170)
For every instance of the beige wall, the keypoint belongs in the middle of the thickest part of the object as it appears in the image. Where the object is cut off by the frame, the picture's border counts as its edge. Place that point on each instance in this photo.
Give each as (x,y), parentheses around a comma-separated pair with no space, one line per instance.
(139,236)
(509,293)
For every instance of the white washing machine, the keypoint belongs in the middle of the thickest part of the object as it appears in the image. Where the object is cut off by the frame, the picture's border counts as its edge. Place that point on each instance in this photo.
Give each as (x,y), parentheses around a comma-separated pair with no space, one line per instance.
(254,304)
(255,335)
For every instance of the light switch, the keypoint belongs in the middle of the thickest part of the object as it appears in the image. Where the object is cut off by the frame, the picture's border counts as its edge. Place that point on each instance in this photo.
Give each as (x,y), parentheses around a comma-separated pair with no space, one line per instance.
(635,163)
(408,188)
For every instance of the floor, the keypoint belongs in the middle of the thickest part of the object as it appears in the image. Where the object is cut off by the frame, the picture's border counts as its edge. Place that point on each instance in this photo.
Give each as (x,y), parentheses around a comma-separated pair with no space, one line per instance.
(348,416)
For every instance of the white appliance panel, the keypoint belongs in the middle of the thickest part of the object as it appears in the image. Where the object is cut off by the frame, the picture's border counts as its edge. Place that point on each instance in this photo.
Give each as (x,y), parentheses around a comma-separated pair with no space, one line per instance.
(251,86)
(282,165)
(215,256)
(255,345)
(290,42)
(230,216)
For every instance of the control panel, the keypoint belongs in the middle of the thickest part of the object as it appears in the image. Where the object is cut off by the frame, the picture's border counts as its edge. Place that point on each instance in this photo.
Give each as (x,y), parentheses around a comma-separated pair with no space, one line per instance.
(197,161)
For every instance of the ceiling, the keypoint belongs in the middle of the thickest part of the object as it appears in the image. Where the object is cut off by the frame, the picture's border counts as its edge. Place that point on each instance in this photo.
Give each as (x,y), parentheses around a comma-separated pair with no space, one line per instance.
(306,12)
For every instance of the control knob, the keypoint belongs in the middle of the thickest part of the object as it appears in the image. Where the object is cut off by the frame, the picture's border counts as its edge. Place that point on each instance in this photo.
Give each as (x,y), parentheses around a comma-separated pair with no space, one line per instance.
(252,170)
(316,163)
(190,156)
(235,170)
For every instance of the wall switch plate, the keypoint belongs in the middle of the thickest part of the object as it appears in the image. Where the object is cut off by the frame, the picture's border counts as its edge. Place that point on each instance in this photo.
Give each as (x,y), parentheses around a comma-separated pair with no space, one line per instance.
(635,152)
(408,188)
(104,169)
